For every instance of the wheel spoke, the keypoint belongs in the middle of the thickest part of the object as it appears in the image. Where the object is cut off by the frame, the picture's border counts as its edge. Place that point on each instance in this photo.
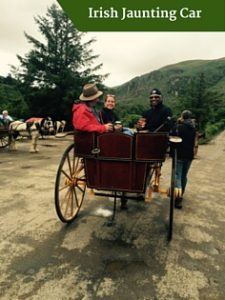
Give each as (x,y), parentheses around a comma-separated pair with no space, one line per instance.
(75,163)
(68,176)
(80,188)
(67,204)
(64,187)
(72,206)
(69,164)
(64,200)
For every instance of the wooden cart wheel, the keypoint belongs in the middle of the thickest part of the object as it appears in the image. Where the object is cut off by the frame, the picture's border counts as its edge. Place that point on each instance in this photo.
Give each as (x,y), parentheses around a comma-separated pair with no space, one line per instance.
(70,185)
(4,141)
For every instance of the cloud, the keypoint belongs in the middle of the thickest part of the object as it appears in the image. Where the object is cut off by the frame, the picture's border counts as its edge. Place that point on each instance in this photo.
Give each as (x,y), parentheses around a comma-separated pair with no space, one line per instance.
(16,17)
(124,54)
(129,54)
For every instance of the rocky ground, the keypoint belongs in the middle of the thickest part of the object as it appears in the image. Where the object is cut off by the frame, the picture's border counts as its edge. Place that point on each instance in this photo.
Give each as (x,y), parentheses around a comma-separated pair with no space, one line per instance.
(42,258)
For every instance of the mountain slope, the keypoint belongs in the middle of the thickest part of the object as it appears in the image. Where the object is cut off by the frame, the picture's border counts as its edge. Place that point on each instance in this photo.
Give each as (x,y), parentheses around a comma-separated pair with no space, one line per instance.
(171,78)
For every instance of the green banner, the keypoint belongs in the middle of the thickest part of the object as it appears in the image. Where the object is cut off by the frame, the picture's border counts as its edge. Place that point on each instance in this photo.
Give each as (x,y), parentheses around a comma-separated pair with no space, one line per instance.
(146,15)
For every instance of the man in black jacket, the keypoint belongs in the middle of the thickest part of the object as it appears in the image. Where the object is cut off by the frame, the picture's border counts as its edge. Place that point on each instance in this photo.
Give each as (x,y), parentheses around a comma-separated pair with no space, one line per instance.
(157,118)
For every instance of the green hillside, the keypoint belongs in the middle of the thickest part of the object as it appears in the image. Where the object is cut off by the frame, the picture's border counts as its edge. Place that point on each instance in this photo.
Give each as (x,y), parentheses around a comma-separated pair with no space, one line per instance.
(171,79)
(197,85)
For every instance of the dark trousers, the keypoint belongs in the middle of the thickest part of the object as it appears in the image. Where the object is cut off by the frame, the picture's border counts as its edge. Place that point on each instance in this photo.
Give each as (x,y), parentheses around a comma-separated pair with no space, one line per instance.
(183,167)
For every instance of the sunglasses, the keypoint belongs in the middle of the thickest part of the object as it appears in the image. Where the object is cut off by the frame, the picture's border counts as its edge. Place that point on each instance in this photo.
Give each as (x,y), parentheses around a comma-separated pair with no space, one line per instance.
(154,97)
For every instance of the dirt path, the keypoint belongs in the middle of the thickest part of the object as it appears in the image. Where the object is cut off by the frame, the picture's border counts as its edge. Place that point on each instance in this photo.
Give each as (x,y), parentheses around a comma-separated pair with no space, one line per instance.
(41,258)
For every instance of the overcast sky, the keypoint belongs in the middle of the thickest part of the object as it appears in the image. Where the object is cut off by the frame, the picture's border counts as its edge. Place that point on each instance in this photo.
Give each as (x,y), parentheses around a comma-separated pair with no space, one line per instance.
(124,55)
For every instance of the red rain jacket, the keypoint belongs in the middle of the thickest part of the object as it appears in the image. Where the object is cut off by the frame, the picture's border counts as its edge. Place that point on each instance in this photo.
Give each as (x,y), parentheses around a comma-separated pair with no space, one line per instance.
(85,120)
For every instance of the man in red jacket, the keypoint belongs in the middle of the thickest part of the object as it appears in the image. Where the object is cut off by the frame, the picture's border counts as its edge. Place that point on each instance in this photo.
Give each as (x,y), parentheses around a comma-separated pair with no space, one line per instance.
(85,116)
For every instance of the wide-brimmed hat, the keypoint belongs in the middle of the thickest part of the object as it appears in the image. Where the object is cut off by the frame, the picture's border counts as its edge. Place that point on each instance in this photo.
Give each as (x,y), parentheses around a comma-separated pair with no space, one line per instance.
(90,92)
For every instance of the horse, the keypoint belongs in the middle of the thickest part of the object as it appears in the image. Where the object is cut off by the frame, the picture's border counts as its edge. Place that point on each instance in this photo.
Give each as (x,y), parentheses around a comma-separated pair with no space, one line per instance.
(46,125)
(19,128)
(59,126)
(32,128)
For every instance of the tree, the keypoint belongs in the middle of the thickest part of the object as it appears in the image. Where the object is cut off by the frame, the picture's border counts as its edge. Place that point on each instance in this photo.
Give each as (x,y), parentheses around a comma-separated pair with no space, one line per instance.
(11,97)
(53,72)
(205,105)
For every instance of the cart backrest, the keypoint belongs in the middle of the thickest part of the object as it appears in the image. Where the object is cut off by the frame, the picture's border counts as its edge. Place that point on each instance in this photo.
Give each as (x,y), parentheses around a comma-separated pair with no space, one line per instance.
(115,146)
(119,162)
(151,146)
(109,145)
(119,146)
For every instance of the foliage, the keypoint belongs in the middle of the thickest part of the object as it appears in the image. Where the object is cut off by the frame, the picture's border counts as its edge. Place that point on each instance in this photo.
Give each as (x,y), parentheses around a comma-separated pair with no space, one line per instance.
(195,85)
(53,72)
(129,113)
(130,120)
(204,104)
(212,129)
(11,97)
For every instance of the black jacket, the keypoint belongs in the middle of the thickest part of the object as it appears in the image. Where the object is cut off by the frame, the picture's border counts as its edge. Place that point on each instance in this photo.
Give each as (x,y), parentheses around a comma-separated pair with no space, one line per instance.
(187,132)
(108,115)
(156,117)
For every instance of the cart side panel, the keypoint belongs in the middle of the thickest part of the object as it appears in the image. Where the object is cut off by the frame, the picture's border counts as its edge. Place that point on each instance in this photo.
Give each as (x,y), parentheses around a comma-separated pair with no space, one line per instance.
(115,175)
(151,146)
(84,142)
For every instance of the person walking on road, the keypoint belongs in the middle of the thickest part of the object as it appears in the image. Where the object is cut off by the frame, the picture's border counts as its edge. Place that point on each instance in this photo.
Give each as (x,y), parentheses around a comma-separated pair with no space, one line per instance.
(185,129)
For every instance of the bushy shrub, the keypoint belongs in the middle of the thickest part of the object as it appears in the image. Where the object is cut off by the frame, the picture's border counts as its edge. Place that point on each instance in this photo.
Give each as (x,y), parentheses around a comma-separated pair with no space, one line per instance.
(130,120)
(213,129)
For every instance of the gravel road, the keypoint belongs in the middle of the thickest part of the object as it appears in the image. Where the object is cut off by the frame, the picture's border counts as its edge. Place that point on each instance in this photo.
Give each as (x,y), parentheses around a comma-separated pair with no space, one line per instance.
(42,258)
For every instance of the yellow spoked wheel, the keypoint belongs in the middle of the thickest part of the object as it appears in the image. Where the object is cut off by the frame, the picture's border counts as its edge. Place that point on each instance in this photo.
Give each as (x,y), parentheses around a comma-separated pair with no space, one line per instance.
(70,185)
